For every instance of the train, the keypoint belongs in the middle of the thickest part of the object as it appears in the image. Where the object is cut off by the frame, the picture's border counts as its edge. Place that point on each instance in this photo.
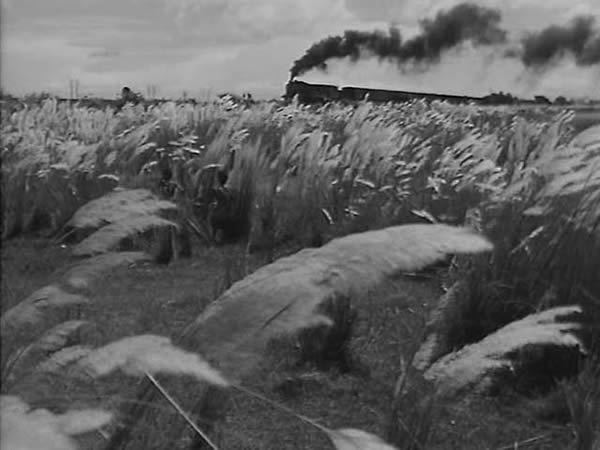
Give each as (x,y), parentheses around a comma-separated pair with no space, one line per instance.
(309,93)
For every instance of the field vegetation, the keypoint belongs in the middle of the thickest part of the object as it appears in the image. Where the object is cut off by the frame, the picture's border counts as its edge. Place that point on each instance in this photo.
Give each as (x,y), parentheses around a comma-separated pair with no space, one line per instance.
(280,276)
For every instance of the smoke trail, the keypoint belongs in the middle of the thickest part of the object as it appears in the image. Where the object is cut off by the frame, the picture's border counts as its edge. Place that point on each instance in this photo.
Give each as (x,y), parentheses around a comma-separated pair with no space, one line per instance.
(464,22)
(350,45)
(581,39)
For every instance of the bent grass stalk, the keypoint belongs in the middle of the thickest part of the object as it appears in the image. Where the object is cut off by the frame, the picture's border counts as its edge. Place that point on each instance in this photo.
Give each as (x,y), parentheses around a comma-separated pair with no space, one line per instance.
(179,410)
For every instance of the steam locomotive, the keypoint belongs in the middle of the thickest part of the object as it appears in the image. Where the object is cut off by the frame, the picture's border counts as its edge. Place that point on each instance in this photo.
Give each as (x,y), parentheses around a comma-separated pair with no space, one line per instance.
(322,93)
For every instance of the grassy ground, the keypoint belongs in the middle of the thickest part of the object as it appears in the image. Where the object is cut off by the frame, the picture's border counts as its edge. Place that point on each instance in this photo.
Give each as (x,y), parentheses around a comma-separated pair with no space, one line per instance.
(163,299)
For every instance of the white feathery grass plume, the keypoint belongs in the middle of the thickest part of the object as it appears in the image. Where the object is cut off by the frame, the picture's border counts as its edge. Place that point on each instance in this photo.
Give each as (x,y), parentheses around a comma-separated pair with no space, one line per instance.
(25,429)
(116,206)
(63,358)
(352,439)
(77,422)
(138,355)
(474,365)
(57,337)
(29,311)
(51,341)
(109,236)
(571,171)
(588,139)
(82,274)
(78,276)
(282,297)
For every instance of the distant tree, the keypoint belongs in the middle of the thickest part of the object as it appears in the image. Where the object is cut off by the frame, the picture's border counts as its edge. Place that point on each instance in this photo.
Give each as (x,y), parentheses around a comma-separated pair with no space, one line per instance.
(560,100)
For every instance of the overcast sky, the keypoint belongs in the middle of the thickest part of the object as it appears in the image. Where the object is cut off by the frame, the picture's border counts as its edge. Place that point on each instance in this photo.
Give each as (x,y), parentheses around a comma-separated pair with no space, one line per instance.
(213,46)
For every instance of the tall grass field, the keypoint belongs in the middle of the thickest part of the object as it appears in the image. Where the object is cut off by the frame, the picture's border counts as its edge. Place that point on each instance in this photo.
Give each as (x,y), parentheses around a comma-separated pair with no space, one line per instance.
(281,276)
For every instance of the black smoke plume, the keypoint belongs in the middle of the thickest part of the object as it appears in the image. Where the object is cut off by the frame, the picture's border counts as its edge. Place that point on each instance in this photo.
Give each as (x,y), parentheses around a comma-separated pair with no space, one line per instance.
(464,22)
(581,39)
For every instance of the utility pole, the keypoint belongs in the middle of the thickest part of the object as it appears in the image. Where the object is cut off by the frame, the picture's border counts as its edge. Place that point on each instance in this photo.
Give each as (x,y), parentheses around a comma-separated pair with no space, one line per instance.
(73,89)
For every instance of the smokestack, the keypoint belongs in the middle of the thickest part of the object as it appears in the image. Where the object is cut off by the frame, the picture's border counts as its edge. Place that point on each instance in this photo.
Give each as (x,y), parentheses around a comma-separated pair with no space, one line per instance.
(464,22)
(581,39)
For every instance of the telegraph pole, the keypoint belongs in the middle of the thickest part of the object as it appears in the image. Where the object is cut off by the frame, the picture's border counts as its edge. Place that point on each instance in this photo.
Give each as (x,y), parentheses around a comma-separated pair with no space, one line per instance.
(73,89)
(151,91)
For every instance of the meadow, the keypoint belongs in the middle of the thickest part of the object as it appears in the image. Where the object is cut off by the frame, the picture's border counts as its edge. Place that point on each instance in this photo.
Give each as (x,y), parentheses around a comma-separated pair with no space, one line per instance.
(280,276)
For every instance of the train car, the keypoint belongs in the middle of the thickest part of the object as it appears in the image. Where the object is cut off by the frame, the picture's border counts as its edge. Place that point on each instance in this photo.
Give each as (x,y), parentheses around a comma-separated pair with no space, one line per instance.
(380,95)
(457,99)
(315,93)
(354,94)
(383,96)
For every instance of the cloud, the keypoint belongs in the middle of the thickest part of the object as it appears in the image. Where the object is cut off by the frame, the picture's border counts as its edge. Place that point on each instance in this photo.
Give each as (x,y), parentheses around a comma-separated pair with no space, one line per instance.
(188,44)
(38,64)
(214,70)
(261,19)
(105,53)
(518,14)
(224,45)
